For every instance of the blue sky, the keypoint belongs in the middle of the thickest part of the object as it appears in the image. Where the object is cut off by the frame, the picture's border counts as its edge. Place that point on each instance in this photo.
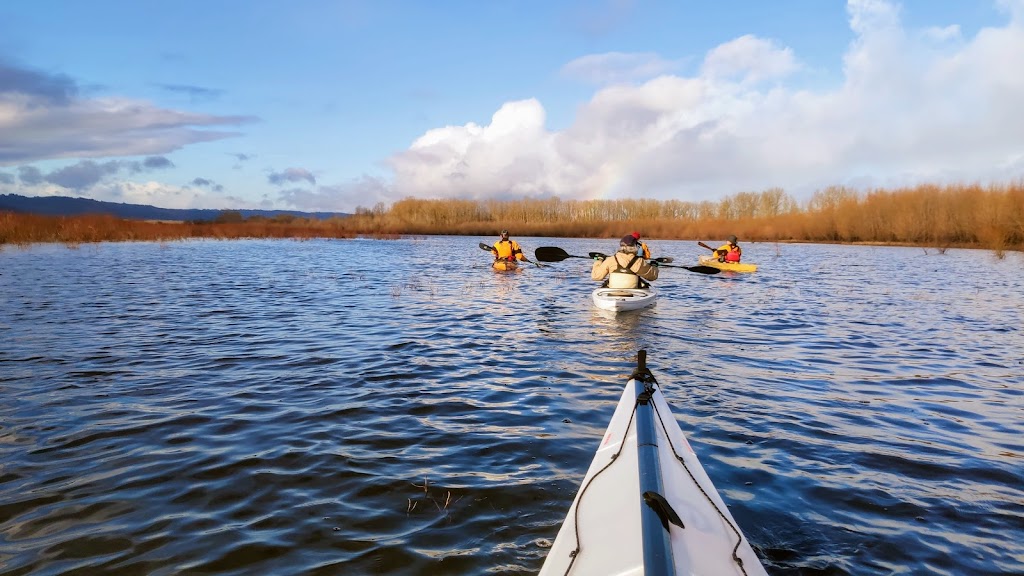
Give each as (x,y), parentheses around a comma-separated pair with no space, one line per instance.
(330,105)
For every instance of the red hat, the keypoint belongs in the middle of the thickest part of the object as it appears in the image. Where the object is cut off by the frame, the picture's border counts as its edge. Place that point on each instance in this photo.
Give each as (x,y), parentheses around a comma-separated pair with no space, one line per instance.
(636,235)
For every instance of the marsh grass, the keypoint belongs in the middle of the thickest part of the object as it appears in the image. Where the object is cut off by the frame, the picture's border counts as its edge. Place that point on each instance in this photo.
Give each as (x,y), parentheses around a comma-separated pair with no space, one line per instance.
(963,216)
(442,499)
(24,229)
(941,217)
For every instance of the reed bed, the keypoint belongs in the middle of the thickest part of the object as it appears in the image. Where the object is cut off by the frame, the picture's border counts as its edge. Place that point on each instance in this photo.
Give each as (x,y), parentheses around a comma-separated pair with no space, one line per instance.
(965,216)
(20,229)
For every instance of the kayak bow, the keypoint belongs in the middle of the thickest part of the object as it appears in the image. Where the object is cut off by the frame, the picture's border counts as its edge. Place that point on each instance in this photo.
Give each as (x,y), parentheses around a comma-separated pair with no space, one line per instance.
(646,505)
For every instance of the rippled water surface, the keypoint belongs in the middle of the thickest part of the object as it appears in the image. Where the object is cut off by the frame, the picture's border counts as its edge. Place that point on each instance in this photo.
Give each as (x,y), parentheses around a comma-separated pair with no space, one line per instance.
(396,407)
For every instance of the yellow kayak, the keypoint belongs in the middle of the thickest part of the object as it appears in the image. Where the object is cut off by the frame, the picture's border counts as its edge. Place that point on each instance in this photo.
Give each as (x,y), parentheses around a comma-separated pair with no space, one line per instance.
(727,266)
(505,265)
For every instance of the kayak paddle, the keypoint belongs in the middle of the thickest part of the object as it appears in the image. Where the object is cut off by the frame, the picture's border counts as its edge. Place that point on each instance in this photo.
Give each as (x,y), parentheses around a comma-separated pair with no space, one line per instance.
(493,250)
(555,254)
(703,245)
(697,269)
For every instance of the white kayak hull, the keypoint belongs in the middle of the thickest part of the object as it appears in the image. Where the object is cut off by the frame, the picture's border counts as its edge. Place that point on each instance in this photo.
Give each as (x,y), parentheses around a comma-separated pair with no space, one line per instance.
(608,529)
(619,299)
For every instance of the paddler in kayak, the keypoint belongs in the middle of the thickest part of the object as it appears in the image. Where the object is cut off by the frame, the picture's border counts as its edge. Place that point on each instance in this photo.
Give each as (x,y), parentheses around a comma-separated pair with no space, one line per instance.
(626,268)
(505,249)
(641,248)
(730,251)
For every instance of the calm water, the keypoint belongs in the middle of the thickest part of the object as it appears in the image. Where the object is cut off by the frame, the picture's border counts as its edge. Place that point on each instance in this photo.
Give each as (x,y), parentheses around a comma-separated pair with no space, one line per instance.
(395,407)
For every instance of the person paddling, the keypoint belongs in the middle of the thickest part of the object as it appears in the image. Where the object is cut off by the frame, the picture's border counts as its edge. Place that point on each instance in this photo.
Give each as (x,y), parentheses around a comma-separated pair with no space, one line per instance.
(626,268)
(730,251)
(505,249)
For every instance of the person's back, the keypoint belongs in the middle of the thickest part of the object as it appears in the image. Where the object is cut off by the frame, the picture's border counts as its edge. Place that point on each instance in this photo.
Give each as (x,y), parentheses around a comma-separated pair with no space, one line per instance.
(625,267)
(730,251)
(506,249)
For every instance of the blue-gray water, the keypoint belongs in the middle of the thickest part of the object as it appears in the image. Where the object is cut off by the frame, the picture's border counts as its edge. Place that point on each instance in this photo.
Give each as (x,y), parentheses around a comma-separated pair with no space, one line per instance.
(396,407)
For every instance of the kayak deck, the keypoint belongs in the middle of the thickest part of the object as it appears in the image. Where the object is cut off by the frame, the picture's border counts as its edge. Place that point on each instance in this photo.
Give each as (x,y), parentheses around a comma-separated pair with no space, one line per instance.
(505,265)
(644,464)
(727,266)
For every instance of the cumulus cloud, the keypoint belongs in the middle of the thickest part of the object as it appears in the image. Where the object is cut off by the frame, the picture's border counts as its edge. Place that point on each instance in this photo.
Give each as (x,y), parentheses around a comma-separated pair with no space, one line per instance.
(926,105)
(42,116)
(290,176)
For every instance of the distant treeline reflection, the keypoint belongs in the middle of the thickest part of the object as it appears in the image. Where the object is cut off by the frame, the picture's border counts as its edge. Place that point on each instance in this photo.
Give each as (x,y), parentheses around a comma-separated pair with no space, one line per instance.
(990,217)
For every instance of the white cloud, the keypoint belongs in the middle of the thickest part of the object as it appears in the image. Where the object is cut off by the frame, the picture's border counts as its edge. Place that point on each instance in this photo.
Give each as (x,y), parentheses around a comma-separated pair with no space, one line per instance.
(943,34)
(749,59)
(914,106)
(1015,8)
(150,193)
(508,155)
(43,117)
(618,67)
(365,192)
(291,175)
(97,128)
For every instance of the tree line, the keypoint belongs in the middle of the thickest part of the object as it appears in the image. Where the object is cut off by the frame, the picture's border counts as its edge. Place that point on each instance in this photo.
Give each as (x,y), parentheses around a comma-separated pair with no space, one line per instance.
(928,215)
(968,215)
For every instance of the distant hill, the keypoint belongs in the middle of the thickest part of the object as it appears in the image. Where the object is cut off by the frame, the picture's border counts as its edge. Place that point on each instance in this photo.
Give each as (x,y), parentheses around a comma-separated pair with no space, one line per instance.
(68,206)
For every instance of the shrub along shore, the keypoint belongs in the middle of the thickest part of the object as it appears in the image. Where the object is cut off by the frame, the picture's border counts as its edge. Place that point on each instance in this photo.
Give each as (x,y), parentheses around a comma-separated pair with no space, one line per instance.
(962,216)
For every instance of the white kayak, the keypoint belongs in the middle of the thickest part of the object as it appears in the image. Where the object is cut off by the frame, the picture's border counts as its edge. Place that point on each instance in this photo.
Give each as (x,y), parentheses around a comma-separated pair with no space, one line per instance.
(618,299)
(646,505)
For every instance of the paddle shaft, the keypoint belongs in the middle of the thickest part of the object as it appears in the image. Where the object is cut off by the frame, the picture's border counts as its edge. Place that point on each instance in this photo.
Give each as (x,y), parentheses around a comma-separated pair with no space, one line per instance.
(555,254)
(703,245)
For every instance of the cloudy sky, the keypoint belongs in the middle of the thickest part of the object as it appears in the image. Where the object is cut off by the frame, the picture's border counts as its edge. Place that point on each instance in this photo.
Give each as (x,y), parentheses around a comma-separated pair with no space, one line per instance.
(333,104)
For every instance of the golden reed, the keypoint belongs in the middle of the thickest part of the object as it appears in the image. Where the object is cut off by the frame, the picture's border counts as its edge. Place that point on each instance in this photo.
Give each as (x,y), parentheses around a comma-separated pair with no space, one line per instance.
(967,216)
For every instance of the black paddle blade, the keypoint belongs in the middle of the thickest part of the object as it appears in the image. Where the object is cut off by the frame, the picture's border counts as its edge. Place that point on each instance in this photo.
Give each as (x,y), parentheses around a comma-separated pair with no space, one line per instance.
(552,254)
(700,269)
(664,260)
(487,247)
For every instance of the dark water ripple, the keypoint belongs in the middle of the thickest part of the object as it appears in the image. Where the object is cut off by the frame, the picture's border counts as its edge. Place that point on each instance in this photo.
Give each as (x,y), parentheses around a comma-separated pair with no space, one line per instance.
(394,407)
